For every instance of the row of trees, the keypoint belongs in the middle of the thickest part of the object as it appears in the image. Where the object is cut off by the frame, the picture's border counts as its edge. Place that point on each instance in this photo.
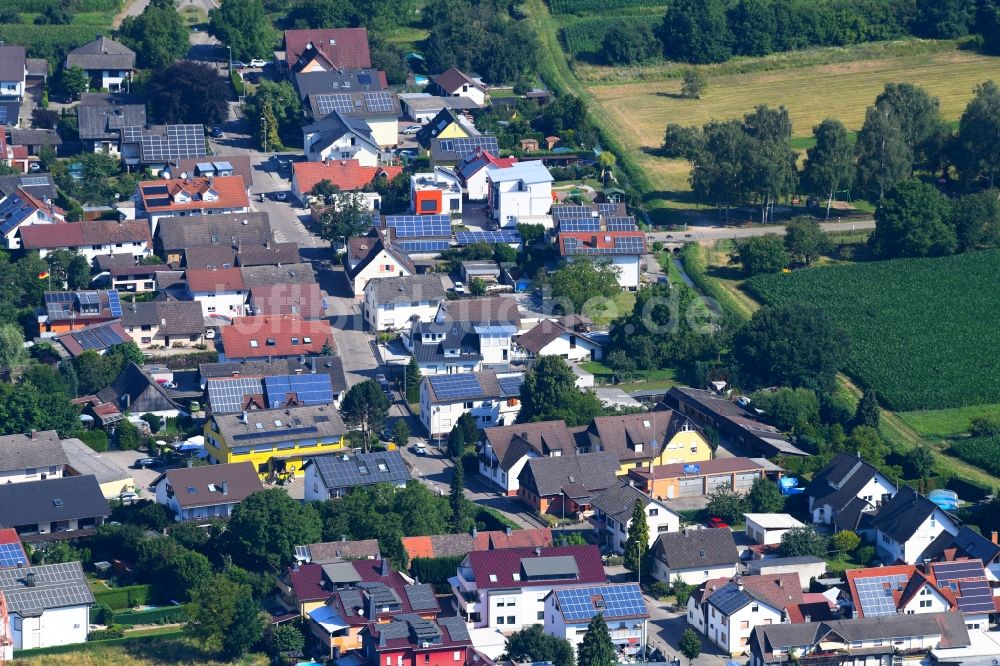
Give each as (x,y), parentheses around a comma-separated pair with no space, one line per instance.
(703,31)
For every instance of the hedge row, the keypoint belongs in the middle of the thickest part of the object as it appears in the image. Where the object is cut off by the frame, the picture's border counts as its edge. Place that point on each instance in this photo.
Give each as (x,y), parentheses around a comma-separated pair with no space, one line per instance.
(120,598)
(113,631)
(80,647)
(435,570)
(164,615)
(494,520)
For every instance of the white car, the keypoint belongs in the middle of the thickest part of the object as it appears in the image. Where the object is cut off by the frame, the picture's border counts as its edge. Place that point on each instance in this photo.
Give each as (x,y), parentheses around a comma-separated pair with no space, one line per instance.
(412,129)
(459,288)
(257,62)
(419,448)
(210,334)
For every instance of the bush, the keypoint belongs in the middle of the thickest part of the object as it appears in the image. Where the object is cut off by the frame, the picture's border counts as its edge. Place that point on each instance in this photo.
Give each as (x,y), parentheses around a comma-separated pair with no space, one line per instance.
(435,570)
(154,421)
(119,598)
(102,614)
(113,631)
(95,439)
(165,615)
(967,490)
(985,426)
(845,541)
(128,436)
(659,589)
(614,561)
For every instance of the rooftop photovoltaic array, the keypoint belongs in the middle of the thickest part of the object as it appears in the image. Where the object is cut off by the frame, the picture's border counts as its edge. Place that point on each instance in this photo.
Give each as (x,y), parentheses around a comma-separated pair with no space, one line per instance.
(569,211)
(34,181)
(729,599)
(622,245)
(114,303)
(580,224)
(875,594)
(11,555)
(13,211)
(423,245)
(308,389)
(966,569)
(228,396)
(177,143)
(607,208)
(98,337)
(620,224)
(56,586)
(613,601)
(469,144)
(464,385)
(511,386)
(327,103)
(508,236)
(415,226)
(381,101)
(362,469)
(976,597)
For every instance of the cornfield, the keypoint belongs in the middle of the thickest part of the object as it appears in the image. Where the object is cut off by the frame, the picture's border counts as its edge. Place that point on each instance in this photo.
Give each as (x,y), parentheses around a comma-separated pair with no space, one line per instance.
(982,452)
(924,331)
(599,6)
(585,37)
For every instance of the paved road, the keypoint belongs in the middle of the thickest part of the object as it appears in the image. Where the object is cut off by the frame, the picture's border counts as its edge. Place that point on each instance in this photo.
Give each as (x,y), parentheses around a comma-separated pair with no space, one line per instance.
(698,233)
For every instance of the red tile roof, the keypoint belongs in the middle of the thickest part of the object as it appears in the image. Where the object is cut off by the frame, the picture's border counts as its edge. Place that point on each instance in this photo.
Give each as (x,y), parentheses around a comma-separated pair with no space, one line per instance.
(250,337)
(307,583)
(78,234)
(530,538)
(348,175)
(599,241)
(230,191)
(214,280)
(503,564)
(346,48)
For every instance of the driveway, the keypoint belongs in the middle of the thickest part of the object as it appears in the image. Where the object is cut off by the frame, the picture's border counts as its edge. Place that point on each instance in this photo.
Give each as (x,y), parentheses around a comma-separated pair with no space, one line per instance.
(665,629)
(142,477)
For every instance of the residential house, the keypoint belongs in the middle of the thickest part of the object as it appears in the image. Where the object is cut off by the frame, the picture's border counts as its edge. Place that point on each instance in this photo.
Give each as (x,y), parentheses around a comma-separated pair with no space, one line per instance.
(957,586)
(458,347)
(568,613)
(446,125)
(39,185)
(134,391)
(95,337)
(695,555)
(341,137)
(731,420)
(81,460)
(108,63)
(489,311)
(269,254)
(845,490)
(347,175)
(276,300)
(14,554)
(276,441)
(219,291)
(101,116)
(66,507)
(459,545)
(492,400)
(859,642)
(19,210)
(565,485)
(648,439)
(234,394)
(90,239)
(472,170)
(47,605)
(328,552)
(377,109)
(215,166)
(34,140)
(156,146)
(423,107)
(13,73)
(506,589)
(334,475)
(261,337)
(412,641)
(520,193)
(165,324)
(504,450)
(264,275)
(395,302)
(32,457)
(726,610)
(177,235)
(806,566)
(339,624)
(177,197)
(336,81)
(203,493)
(331,366)
(622,250)
(613,510)
(436,193)
(454,83)
(907,524)
(552,338)
(702,477)
(425,236)
(127,276)
(967,544)
(767,529)
(306,587)
(327,49)
(374,257)
(13,156)
(70,310)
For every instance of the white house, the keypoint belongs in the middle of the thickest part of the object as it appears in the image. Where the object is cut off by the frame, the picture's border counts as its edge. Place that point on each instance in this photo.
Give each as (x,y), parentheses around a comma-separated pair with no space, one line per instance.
(90,239)
(21,210)
(727,611)
(768,528)
(459,347)
(437,192)
(493,400)
(845,489)
(695,555)
(907,524)
(392,303)
(569,611)
(32,457)
(48,604)
(455,83)
(520,193)
(373,257)
(553,338)
(613,510)
(472,170)
(210,491)
(506,589)
(108,63)
(504,451)
(623,250)
(13,72)
(220,291)
(183,197)
(332,475)
(340,137)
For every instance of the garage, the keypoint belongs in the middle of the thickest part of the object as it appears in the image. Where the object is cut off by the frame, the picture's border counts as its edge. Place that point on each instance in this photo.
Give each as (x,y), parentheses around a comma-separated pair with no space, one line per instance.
(719,480)
(690,487)
(744,481)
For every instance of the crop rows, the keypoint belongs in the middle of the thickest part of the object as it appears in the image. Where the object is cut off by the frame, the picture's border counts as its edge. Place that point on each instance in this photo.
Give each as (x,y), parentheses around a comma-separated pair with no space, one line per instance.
(47,41)
(585,37)
(599,6)
(982,452)
(39,6)
(924,331)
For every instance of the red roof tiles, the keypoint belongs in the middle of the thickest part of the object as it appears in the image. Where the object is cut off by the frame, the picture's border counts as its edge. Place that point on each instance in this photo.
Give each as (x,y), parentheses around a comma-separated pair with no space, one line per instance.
(346,48)
(78,234)
(260,337)
(348,175)
(214,280)
(496,568)
(227,192)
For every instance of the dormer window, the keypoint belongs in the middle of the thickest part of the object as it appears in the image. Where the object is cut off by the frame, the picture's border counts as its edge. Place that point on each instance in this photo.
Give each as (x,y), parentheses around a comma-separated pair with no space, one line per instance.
(210,195)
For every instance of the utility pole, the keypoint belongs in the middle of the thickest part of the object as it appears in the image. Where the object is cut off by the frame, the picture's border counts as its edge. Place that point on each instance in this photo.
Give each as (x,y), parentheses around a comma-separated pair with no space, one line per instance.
(263,124)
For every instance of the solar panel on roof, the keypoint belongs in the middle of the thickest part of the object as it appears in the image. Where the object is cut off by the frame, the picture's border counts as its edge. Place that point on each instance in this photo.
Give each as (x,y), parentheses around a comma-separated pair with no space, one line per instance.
(511,386)
(365,79)
(423,245)
(34,181)
(606,208)
(114,303)
(379,101)
(463,385)
(567,211)
(88,297)
(11,555)
(506,236)
(410,226)
(100,337)
(470,144)
(619,224)
(976,596)
(228,395)
(875,594)
(945,571)
(580,224)
(327,103)
(613,601)
(308,389)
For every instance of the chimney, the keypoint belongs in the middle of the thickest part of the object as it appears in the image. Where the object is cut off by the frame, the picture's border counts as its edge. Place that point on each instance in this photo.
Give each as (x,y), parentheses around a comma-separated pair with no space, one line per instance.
(295,565)
(538,551)
(509,530)
(385,567)
(225,487)
(995,537)
(475,531)
(739,582)
(781,583)
(29,579)
(343,537)
(807,618)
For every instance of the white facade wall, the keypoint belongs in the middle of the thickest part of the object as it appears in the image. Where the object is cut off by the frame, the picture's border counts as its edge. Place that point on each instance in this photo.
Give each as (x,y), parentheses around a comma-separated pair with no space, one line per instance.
(440,418)
(624,633)
(872,493)
(12,239)
(732,633)
(691,576)
(384,265)
(572,348)
(506,480)
(315,489)
(495,348)
(32,474)
(137,249)
(910,551)
(13,88)
(760,535)
(513,201)
(476,186)
(228,303)
(927,600)
(395,316)
(112,79)
(347,147)
(659,520)
(55,626)
(385,130)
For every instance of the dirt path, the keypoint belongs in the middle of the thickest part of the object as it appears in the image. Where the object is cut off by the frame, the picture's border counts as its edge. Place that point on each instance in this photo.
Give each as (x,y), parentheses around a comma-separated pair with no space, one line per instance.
(131,8)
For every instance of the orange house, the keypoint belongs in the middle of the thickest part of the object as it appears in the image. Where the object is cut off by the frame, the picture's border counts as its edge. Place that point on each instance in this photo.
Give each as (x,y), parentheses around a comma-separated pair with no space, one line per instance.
(427,202)
(67,311)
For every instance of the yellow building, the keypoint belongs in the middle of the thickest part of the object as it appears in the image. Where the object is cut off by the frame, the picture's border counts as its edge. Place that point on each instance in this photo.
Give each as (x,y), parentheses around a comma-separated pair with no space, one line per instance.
(445,125)
(276,441)
(661,437)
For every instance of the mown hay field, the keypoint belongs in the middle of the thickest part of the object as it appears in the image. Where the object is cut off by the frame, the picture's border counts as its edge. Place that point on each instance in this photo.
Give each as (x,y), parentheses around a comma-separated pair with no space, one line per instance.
(924,333)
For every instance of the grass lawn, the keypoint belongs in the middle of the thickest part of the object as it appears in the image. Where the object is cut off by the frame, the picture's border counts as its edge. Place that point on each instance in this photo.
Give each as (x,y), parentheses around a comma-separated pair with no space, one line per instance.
(621,304)
(841,563)
(169,651)
(944,423)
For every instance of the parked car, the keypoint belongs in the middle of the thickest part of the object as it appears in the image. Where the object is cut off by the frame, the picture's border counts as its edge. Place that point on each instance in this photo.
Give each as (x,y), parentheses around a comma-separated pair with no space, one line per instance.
(279,196)
(216,133)
(459,288)
(239,64)
(210,334)
(128,498)
(35,166)
(715,521)
(257,62)
(145,462)
(412,129)
(419,448)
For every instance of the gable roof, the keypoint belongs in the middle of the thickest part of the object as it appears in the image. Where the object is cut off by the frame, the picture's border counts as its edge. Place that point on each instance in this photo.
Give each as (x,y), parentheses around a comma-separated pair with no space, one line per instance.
(363,250)
(545,332)
(305,300)
(81,234)
(490,310)
(840,481)
(215,165)
(102,53)
(133,383)
(335,125)
(214,280)
(210,256)
(618,501)
(622,243)
(651,431)
(779,591)
(528,567)
(448,545)
(511,443)
(335,551)
(266,275)
(903,514)
(285,335)
(689,549)
(224,192)
(66,498)
(37,449)
(578,476)
(223,229)
(211,485)
(103,115)
(96,337)
(271,254)
(529,172)
(274,425)
(480,159)
(453,78)
(362,469)
(340,80)
(441,390)
(437,545)
(52,586)
(348,175)
(382,104)
(12,63)
(424,287)
(342,48)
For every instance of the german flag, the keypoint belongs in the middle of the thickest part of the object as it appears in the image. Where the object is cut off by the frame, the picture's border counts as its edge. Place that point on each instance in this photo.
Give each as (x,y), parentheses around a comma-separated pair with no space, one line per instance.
(43,275)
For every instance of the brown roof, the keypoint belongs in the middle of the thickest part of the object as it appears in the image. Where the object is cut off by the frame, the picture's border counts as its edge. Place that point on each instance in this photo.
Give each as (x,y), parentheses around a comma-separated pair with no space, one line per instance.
(362,250)
(242,166)
(452,79)
(210,256)
(453,545)
(305,300)
(543,333)
(527,538)
(708,467)
(344,48)
(214,279)
(510,443)
(332,551)
(621,433)
(210,485)
(482,310)
(348,175)
(272,254)
(79,234)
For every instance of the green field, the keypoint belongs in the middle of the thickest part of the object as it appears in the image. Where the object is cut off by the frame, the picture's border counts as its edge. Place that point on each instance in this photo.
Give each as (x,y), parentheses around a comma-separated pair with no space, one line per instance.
(584,38)
(945,423)
(983,452)
(923,331)
(601,6)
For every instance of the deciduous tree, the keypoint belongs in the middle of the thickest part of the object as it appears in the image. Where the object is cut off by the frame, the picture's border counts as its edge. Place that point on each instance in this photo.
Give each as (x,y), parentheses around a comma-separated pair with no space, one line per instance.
(265,528)
(188,92)
(549,392)
(726,503)
(921,461)
(845,541)
(244,26)
(696,31)
(884,159)
(158,35)
(12,351)
(532,644)
(584,281)
(365,408)
(345,216)
(761,254)
(913,221)
(721,171)
(690,645)
(629,42)
(800,541)
(978,142)
(764,496)
(976,219)
(805,240)
(74,80)
(829,166)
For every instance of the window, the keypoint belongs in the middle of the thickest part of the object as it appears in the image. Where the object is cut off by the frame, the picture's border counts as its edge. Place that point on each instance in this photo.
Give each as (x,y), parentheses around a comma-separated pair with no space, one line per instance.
(723,637)
(427,657)
(253,344)
(500,619)
(654,512)
(467,405)
(754,609)
(925,603)
(541,615)
(457,655)
(511,619)
(745,624)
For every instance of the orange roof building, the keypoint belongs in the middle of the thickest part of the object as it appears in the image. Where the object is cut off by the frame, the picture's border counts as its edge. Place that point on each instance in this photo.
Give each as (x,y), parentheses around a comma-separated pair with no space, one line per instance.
(348,175)
(284,336)
(191,196)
